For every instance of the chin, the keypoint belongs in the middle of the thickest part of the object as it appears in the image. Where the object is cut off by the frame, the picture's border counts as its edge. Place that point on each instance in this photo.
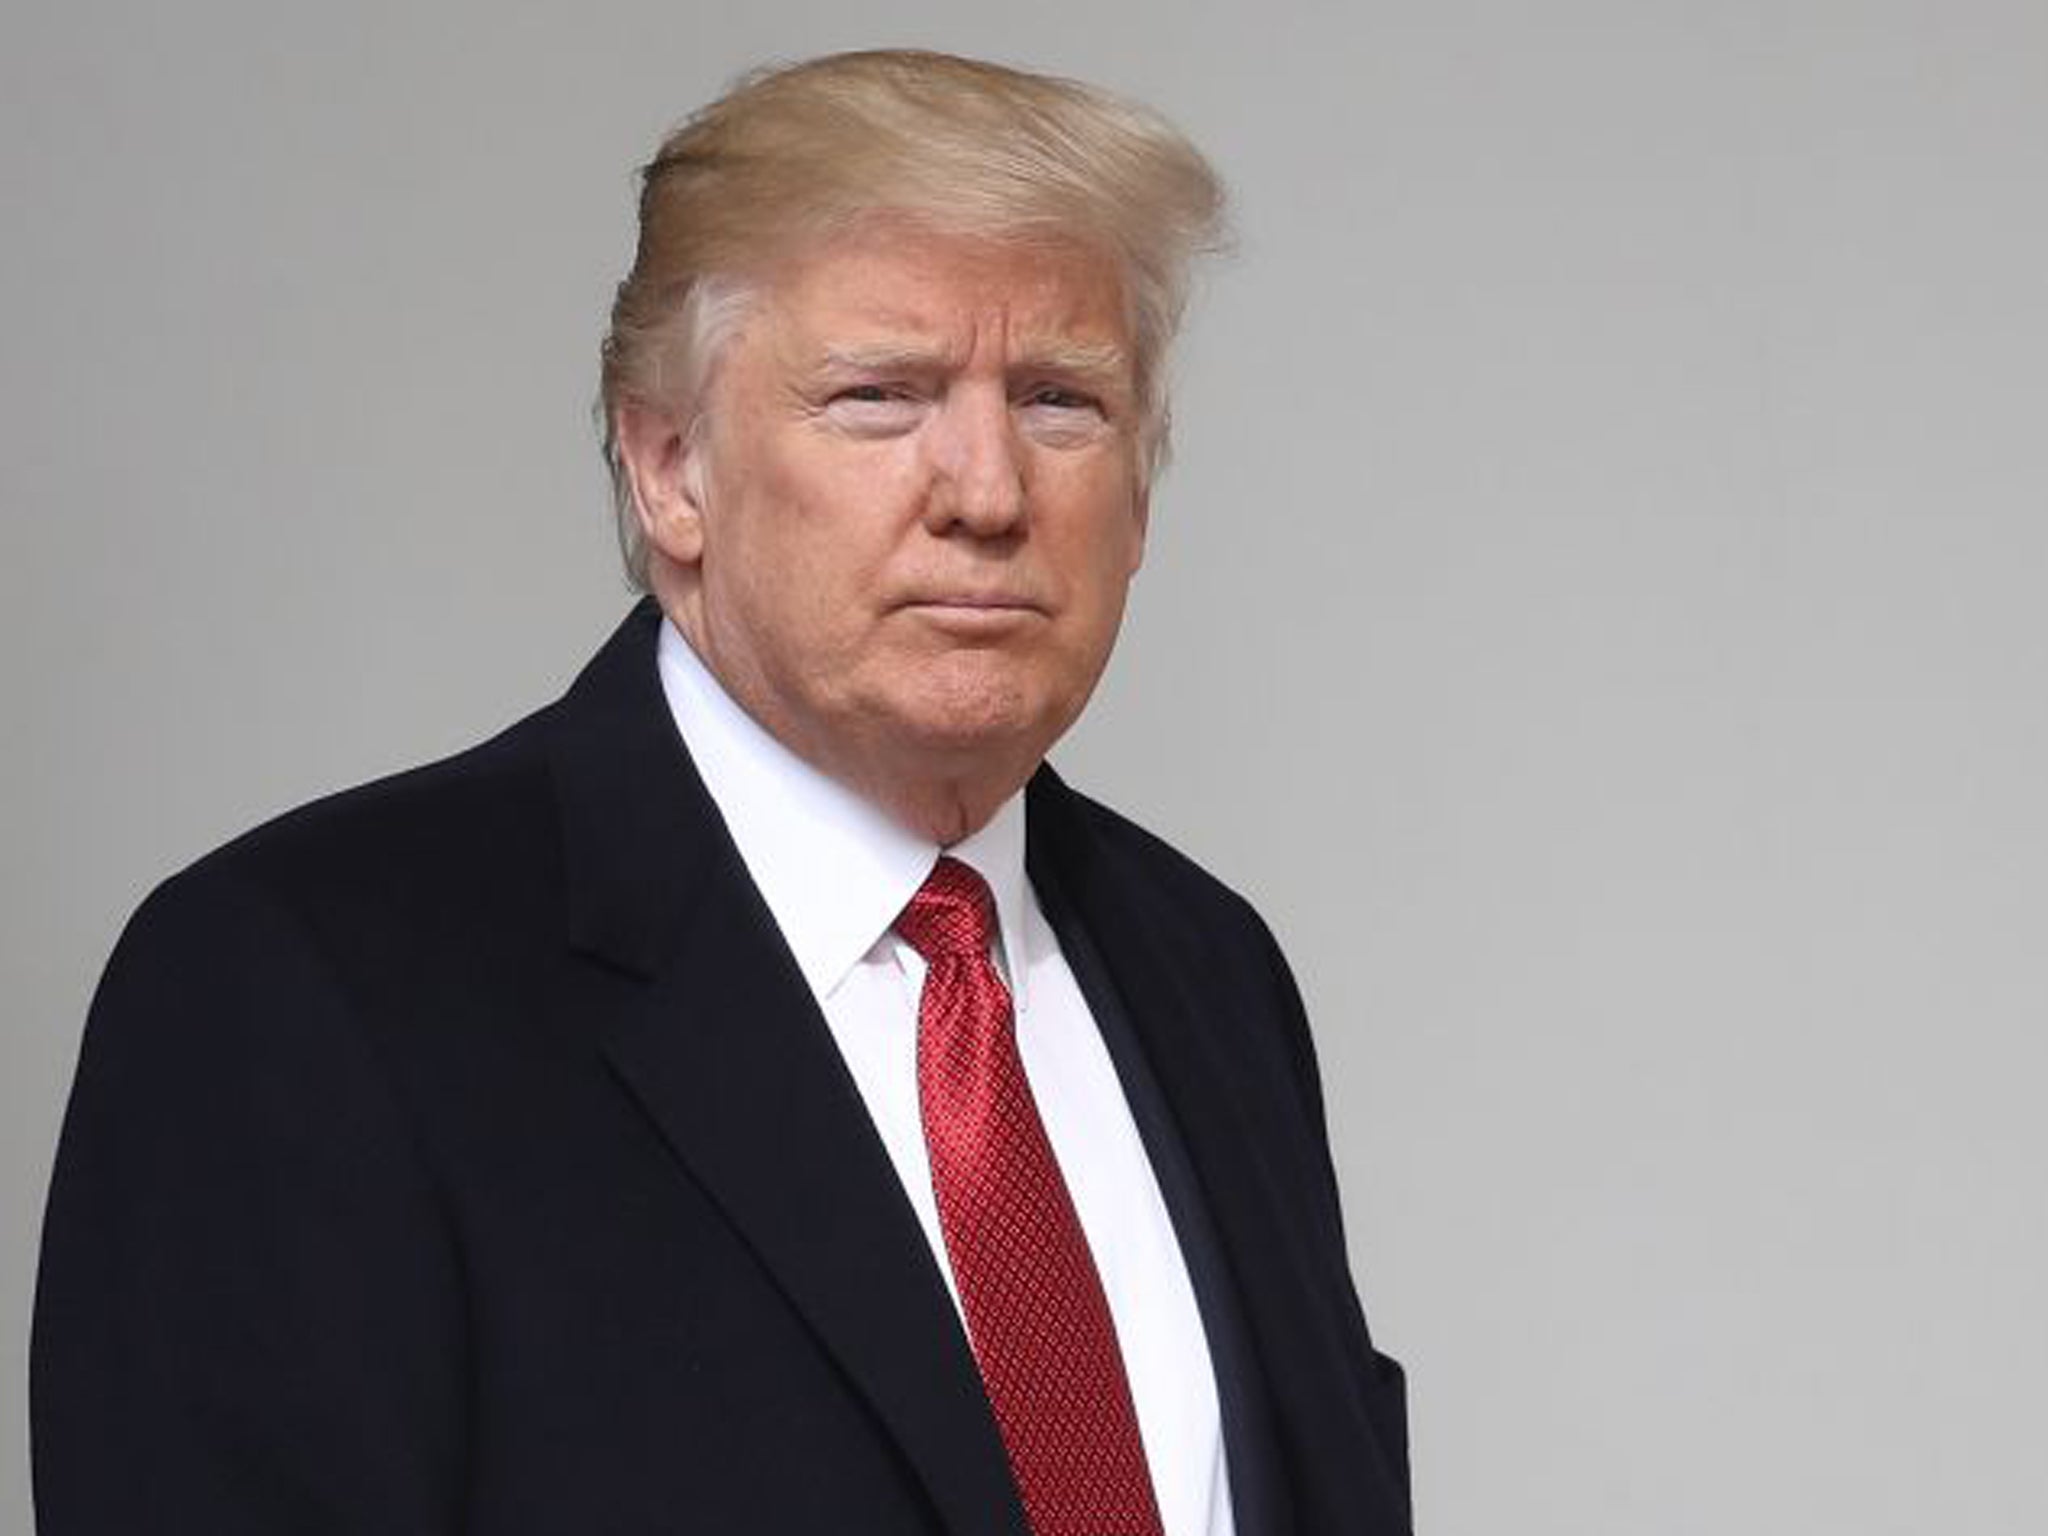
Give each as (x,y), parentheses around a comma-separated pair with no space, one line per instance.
(992,728)
(975,709)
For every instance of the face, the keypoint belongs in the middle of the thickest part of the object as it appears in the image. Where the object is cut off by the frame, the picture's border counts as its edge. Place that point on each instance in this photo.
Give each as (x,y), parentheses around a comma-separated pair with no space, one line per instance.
(903,538)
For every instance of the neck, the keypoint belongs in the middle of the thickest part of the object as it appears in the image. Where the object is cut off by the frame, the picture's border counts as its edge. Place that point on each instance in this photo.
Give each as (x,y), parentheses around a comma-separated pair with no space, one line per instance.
(944,813)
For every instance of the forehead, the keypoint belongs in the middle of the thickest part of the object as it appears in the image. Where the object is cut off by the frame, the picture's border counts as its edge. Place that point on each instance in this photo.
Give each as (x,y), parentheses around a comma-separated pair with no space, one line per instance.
(889,285)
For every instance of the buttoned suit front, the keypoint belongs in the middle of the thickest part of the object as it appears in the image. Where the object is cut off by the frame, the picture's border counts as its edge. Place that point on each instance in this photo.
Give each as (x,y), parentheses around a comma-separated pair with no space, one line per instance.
(465,1154)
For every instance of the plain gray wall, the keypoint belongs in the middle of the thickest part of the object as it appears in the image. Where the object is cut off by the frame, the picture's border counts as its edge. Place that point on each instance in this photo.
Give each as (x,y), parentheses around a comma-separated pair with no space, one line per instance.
(1597,612)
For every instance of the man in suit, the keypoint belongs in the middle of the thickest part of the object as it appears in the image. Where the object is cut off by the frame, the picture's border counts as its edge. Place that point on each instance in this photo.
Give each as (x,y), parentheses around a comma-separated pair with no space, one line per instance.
(754,1094)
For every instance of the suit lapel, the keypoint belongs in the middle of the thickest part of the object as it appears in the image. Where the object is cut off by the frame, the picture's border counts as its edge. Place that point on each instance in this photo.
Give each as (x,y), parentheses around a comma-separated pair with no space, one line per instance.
(1258,1491)
(1228,1098)
(707,1021)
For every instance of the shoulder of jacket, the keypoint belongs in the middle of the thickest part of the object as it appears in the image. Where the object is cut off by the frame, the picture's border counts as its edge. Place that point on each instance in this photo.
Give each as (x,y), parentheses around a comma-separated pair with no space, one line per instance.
(1154,869)
(418,834)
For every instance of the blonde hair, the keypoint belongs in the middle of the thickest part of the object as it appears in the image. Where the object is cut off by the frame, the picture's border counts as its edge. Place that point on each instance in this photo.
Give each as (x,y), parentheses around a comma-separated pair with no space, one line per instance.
(789,156)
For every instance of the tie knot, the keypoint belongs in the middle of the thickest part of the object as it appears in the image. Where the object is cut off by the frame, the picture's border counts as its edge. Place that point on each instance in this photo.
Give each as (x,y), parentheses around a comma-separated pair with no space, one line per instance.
(951,914)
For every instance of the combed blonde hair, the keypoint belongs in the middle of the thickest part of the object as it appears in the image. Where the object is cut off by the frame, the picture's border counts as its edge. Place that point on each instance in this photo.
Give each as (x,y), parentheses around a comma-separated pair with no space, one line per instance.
(789,156)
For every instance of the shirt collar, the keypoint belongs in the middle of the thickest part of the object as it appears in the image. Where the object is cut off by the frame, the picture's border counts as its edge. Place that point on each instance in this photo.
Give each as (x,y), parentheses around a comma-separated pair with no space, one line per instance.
(834,869)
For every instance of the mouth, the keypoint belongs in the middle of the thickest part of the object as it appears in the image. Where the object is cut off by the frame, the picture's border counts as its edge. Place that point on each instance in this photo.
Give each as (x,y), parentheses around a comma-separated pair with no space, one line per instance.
(973,600)
(977,613)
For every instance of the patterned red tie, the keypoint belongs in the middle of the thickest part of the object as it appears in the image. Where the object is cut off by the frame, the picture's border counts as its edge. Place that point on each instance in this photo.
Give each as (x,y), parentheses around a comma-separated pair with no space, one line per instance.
(1036,1315)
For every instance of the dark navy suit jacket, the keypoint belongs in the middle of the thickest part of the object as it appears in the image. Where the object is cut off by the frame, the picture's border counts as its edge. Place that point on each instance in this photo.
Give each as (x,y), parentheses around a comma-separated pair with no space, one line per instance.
(465,1154)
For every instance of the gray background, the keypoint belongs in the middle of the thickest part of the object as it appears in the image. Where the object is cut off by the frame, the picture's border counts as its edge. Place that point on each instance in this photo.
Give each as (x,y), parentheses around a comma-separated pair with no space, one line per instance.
(1596,612)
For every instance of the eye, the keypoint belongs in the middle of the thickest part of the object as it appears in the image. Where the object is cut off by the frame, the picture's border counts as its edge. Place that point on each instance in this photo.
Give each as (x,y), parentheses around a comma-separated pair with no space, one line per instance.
(869,394)
(1057,398)
(873,408)
(1062,417)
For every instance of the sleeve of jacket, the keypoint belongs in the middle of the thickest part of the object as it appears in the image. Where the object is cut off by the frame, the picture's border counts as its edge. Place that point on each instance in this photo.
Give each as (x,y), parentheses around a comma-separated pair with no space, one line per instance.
(1382,1377)
(249,1315)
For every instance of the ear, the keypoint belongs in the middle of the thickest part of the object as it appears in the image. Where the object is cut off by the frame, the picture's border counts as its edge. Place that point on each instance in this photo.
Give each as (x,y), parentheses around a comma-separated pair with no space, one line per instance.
(1141,521)
(664,465)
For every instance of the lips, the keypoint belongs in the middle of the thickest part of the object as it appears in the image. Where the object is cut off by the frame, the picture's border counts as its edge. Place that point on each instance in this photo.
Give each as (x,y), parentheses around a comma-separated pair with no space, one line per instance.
(993,602)
(976,618)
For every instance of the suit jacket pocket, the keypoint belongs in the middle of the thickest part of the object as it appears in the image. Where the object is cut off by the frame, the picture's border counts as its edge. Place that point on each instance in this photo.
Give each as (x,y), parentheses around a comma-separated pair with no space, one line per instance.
(1386,1403)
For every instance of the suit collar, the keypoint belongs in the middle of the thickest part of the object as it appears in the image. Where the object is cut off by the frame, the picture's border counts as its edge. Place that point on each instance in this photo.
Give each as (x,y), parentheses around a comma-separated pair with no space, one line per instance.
(1218,1025)
(1152,1020)
(637,829)
(705,1018)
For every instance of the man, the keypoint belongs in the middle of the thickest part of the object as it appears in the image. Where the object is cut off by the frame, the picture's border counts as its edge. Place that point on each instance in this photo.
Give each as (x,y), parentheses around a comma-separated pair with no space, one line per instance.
(753,1094)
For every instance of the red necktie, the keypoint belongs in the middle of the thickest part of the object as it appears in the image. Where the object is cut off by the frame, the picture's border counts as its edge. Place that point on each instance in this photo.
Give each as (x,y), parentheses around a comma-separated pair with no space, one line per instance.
(1036,1316)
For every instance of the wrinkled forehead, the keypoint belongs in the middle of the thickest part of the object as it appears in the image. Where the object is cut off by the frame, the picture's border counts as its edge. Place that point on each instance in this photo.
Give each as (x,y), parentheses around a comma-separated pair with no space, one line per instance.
(888,290)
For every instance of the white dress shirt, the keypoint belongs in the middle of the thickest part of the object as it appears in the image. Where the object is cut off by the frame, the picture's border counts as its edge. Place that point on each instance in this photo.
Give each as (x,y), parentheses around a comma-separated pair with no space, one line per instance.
(835,872)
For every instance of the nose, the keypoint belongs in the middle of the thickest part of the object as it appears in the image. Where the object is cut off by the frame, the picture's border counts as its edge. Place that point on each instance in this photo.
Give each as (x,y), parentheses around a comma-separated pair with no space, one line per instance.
(978,465)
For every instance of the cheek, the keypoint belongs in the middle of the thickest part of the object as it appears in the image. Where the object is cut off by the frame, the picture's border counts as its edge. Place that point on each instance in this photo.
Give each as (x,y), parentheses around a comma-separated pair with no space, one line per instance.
(770,533)
(802,564)
(1105,536)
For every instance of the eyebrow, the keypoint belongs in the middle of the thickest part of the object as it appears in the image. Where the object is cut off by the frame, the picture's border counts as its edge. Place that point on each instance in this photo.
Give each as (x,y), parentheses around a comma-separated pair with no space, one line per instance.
(1105,360)
(885,357)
